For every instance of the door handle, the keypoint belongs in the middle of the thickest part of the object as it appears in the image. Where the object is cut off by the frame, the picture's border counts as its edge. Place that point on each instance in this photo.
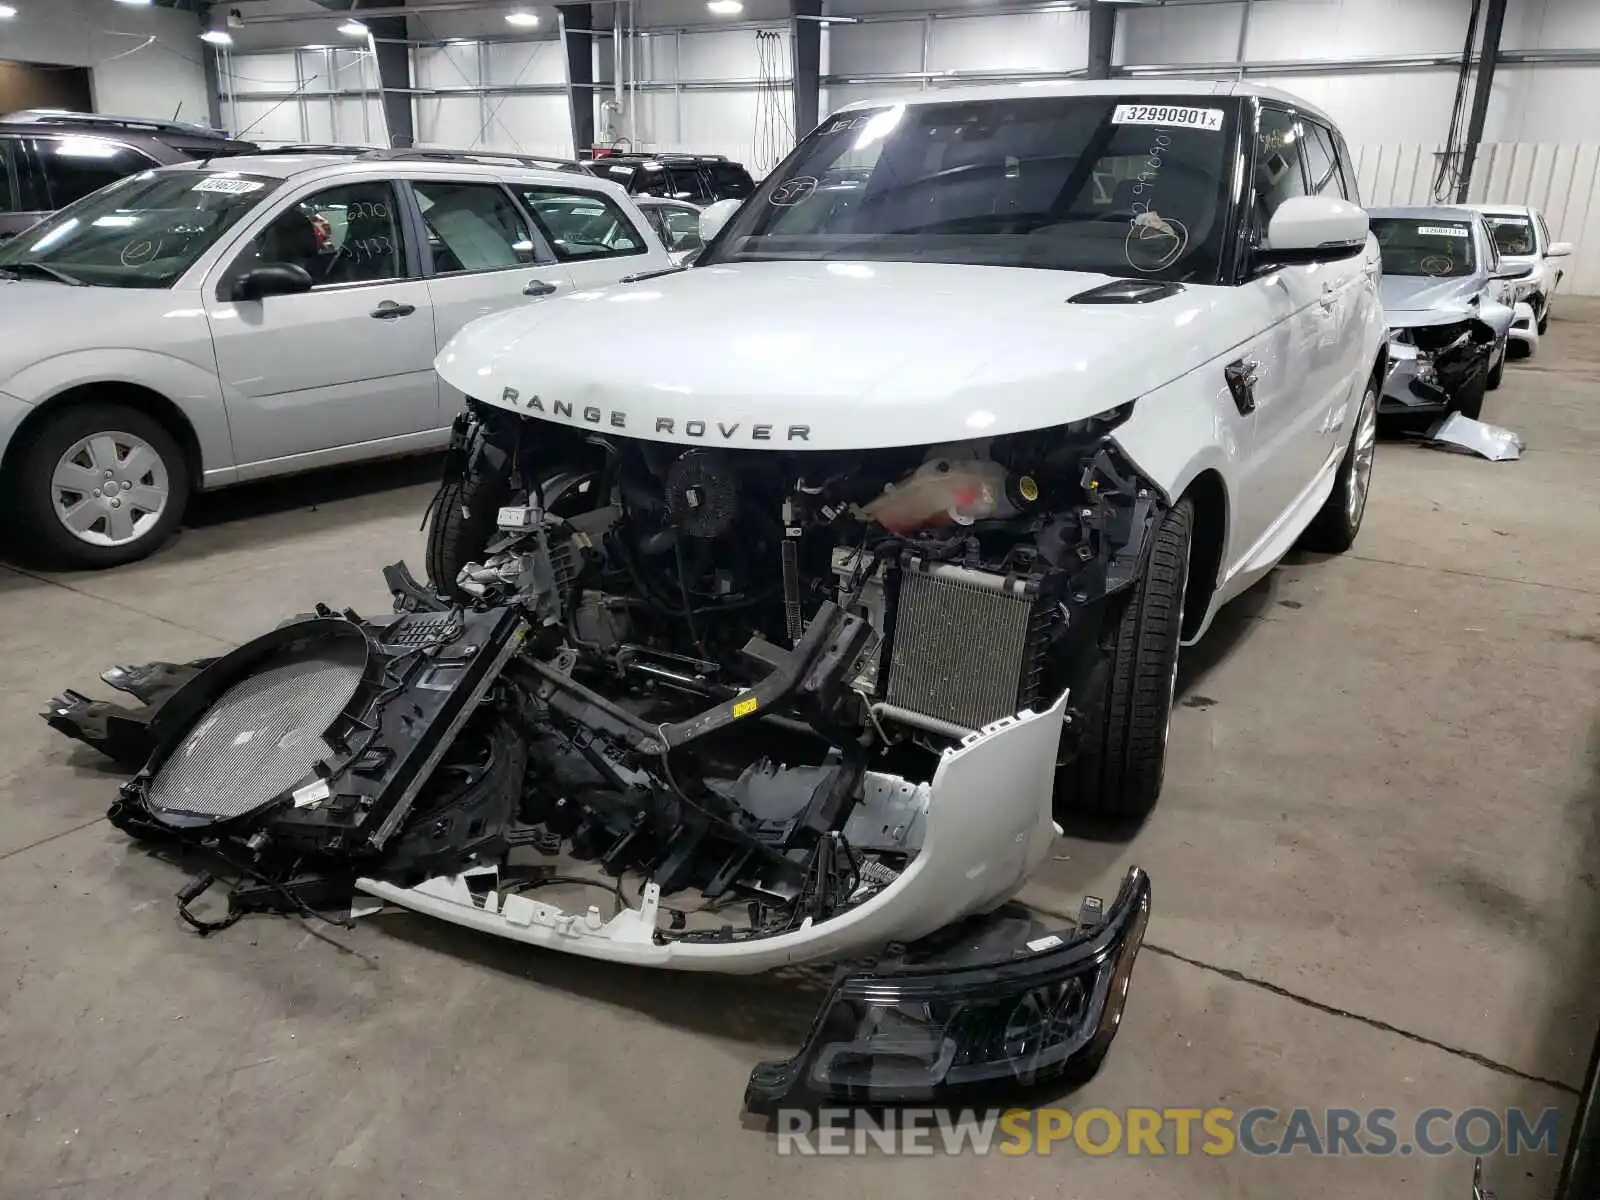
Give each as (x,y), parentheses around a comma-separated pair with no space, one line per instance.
(1241,375)
(390,309)
(539,287)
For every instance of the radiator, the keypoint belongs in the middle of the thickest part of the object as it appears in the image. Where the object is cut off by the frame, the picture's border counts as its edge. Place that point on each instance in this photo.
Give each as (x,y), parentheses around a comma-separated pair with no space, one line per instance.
(966,645)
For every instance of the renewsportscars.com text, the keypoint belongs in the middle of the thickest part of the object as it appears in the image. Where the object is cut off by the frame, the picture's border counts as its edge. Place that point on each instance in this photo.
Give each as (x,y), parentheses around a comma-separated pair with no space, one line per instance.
(1261,1131)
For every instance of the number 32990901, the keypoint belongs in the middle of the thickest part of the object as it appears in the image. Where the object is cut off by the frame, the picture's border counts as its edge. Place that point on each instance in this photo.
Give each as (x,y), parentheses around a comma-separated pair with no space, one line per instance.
(1167,114)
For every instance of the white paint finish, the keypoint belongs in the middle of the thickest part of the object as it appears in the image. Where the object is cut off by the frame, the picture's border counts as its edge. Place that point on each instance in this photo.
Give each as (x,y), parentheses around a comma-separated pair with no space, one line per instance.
(1207,33)
(1038,41)
(144,62)
(1300,29)
(875,49)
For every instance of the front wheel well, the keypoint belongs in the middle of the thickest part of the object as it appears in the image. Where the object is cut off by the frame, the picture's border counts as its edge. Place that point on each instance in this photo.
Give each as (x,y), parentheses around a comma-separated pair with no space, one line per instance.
(1208,537)
(135,396)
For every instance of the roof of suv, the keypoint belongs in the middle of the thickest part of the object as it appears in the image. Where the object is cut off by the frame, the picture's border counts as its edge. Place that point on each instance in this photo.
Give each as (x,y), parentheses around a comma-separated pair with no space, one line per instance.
(285,161)
(1509,210)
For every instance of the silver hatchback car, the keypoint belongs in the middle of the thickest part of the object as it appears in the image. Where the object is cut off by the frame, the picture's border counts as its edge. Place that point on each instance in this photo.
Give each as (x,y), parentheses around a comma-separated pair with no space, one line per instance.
(207,324)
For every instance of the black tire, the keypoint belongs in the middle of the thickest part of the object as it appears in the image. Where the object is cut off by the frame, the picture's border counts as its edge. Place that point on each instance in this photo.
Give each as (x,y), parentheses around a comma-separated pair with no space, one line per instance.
(1333,530)
(1497,373)
(1543,309)
(1518,349)
(461,525)
(44,536)
(1469,400)
(1121,754)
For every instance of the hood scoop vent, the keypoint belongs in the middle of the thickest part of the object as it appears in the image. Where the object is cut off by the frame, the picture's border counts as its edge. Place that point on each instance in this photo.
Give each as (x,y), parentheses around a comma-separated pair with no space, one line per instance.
(1128,291)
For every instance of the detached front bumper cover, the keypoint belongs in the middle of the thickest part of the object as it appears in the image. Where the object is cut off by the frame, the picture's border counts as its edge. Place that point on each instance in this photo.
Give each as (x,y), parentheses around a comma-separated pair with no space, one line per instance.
(992,1009)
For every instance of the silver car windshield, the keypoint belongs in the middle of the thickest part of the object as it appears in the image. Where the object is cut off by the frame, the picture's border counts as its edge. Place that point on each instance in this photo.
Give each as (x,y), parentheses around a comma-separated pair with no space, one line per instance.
(1441,249)
(140,232)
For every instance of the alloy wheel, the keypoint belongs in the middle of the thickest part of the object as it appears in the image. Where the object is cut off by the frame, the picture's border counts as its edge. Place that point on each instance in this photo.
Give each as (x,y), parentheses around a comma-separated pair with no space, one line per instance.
(1363,449)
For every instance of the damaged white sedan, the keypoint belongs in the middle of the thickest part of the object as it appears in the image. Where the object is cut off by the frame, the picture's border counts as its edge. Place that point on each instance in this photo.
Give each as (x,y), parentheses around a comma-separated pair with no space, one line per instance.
(789,633)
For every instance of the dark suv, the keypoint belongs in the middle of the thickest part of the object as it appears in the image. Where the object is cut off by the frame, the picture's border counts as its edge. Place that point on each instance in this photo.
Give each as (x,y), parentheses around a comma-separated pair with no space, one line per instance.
(698,178)
(48,159)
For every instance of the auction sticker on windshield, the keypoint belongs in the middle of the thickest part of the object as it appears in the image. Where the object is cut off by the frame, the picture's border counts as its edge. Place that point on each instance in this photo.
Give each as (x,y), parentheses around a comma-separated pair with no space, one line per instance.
(231,187)
(1454,231)
(1166,114)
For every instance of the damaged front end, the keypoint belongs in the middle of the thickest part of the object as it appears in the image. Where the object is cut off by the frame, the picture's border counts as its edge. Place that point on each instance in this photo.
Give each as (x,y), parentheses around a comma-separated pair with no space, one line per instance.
(1436,362)
(702,710)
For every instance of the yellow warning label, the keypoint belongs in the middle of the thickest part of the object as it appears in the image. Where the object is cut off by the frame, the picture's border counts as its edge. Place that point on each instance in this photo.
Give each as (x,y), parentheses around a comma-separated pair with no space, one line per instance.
(745,707)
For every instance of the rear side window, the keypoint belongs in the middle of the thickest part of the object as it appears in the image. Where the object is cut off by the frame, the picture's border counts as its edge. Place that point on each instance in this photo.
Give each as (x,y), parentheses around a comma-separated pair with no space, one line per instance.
(75,166)
(474,227)
(580,225)
(1322,167)
(730,181)
(1279,173)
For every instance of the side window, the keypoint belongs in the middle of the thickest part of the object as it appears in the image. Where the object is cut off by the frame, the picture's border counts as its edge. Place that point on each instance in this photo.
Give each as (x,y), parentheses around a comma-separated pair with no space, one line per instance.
(651,181)
(581,225)
(656,214)
(1347,170)
(10,196)
(1486,239)
(342,235)
(680,227)
(474,227)
(1279,173)
(1322,162)
(1544,232)
(76,166)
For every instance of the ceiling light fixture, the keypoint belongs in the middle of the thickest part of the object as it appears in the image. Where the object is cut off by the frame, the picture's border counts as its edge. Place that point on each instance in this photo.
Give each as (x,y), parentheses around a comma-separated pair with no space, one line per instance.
(7,12)
(523,19)
(217,37)
(135,3)
(353,28)
(724,8)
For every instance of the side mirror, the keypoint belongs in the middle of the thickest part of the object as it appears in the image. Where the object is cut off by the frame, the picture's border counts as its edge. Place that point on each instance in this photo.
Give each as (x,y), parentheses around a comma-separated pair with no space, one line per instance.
(714,216)
(1558,250)
(1313,229)
(1521,272)
(272,279)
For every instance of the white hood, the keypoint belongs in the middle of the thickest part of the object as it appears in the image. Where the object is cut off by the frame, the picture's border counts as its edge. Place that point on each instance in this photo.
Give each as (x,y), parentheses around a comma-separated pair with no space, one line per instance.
(843,355)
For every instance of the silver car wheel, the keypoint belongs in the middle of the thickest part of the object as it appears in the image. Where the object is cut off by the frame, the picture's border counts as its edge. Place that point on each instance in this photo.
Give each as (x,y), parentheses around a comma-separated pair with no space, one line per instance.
(110,489)
(1364,447)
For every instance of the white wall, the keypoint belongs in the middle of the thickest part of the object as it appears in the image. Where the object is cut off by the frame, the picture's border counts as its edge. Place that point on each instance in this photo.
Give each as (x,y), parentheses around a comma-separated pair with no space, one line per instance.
(297,101)
(524,124)
(143,62)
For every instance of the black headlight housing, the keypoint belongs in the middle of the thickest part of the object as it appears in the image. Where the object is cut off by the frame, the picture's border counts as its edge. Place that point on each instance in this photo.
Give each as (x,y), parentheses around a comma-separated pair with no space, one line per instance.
(1002,1005)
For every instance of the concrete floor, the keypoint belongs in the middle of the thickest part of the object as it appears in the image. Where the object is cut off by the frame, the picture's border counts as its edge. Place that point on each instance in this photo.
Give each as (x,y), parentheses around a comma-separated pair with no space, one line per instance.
(1374,870)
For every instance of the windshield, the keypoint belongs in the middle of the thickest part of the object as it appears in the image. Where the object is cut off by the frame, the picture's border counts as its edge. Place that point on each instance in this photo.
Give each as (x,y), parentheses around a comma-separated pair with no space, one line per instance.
(1512,235)
(1442,249)
(1081,183)
(141,232)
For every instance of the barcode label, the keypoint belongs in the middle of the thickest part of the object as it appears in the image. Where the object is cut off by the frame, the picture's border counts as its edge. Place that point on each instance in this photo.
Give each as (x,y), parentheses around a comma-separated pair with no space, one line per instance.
(1168,114)
(1442,231)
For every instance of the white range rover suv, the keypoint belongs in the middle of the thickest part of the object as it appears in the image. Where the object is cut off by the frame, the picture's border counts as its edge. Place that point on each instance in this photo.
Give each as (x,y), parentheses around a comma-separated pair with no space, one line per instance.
(212,323)
(1034,380)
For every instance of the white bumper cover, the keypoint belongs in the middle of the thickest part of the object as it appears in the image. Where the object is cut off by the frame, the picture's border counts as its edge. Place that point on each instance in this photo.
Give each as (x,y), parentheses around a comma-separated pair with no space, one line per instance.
(1525,326)
(985,821)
